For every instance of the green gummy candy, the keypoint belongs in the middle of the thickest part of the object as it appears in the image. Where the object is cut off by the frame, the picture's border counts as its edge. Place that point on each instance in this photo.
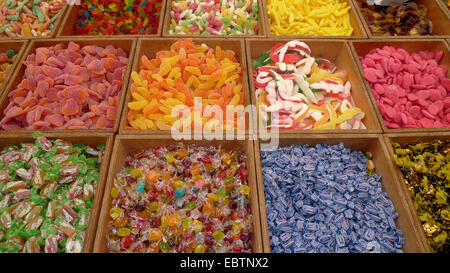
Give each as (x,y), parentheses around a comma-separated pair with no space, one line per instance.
(4,27)
(12,17)
(226,20)
(11,53)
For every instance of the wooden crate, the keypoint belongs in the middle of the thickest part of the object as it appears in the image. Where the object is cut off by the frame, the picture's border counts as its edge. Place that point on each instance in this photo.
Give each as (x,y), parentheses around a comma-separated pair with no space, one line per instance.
(262,32)
(18,46)
(150,46)
(56,27)
(410,139)
(126,145)
(71,17)
(362,47)
(358,29)
(338,52)
(91,139)
(438,17)
(363,142)
(127,44)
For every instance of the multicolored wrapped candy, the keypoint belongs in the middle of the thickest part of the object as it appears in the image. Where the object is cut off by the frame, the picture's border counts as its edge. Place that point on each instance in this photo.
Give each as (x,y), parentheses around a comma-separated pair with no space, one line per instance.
(181,199)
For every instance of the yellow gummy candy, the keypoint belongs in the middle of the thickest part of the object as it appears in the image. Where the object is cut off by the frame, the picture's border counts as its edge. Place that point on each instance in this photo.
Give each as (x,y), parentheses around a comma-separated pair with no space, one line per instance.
(137,105)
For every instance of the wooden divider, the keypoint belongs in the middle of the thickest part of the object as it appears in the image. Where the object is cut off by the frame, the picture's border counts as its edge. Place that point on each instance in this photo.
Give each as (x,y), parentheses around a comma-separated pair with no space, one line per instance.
(362,47)
(410,138)
(91,139)
(372,143)
(262,32)
(436,14)
(338,52)
(358,28)
(128,145)
(68,25)
(150,46)
(127,44)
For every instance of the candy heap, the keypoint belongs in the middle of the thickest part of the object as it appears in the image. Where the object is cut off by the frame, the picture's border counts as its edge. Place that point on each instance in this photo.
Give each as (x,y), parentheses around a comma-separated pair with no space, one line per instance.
(175,77)
(112,17)
(46,194)
(322,199)
(426,169)
(6,60)
(397,19)
(212,17)
(297,91)
(67,87)
(313,17)
(411,90)
(181,199)
(29,18)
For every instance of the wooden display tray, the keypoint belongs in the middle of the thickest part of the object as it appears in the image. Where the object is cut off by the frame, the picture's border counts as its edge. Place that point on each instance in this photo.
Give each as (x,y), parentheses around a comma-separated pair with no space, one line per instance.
(127,44)
(410,139)
(336,51)
(126,145)
(358,29)
(56,28)
(91,139)
(18,46)
(150,46)
(363,142)
(362,47)
(439,18)
(72,16)
(262,32)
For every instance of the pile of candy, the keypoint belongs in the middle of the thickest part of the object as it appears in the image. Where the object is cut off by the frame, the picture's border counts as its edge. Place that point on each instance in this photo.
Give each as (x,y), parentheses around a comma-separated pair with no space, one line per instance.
(46,193)
(29,18)
(181,199)
(6,60)
(313,17)
(172,80)
(322,199)
(112,17)
(446,3)
(397,19)
(67,87)
(211,17)
(411,90)
(426,169)
(297,91)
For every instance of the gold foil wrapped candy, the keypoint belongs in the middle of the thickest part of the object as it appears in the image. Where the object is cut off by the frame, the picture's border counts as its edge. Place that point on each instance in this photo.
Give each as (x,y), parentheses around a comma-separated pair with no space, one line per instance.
(426,169)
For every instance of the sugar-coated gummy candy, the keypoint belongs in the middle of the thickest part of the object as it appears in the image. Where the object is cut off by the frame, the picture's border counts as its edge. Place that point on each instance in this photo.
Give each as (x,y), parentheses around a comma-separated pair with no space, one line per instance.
(411,88)
(323,199)
(297,91)
(210,17)
(46,193)
(169,83)
(312,18)
(29,18)
(67,86)
(116,17)
(426,169)
(175,213)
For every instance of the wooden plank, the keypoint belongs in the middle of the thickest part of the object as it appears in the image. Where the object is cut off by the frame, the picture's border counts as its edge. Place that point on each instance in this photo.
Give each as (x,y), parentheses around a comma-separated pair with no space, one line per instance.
(131,144)
(127,44)
(438,17)
(261,27)
(71,17)
(338,52)
(91,139)
(150,46)
(358,28)
(372,143)
(410,138)
(362,47)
